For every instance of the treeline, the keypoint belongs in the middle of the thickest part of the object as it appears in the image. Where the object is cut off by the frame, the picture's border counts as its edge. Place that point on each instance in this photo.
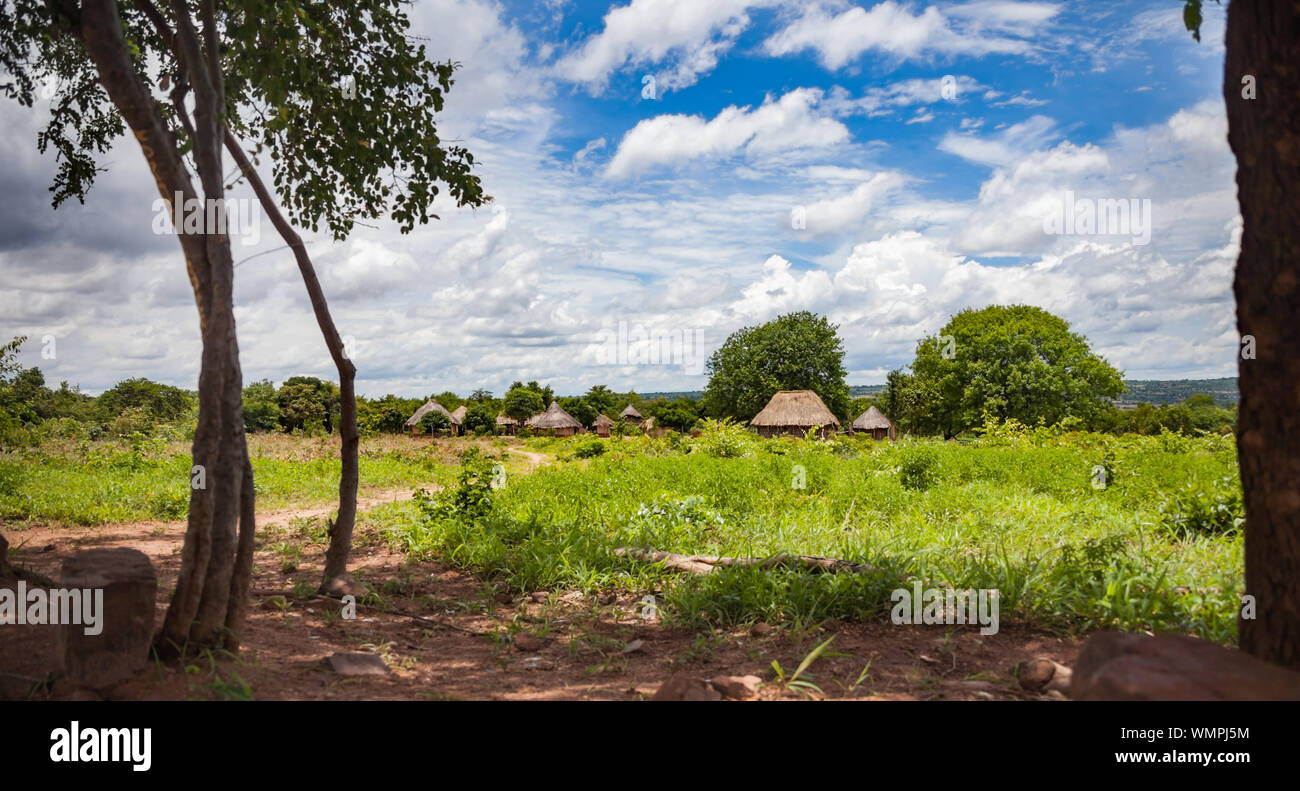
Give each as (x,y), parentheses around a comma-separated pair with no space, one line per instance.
(30,410)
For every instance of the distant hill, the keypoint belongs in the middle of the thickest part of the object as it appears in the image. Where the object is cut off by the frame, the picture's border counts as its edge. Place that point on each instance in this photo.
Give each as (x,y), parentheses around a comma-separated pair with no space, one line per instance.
(1152,391)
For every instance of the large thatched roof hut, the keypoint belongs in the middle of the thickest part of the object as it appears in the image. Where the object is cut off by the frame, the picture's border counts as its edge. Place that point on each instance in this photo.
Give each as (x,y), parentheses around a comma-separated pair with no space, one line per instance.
(602,425)
(554,420)
(794,412)
(874,422)
(413,423)
(629,413)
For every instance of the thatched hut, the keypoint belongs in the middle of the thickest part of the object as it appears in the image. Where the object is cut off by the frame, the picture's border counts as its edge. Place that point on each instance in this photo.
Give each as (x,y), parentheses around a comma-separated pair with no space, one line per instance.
(630,414)
(507,424)
(460,412)
(413,423)
(554,421)
(874,422)
(602,425)
(795,412)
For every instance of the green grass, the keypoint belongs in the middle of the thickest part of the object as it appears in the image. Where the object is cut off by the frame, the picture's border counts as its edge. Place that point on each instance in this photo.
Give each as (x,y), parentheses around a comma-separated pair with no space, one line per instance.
(89,483)
(1016,512)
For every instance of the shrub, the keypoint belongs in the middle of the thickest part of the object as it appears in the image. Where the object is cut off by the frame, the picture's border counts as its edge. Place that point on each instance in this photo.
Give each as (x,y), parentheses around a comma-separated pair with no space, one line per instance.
(1198,512)
(590,449)
(918,469)
(724,439)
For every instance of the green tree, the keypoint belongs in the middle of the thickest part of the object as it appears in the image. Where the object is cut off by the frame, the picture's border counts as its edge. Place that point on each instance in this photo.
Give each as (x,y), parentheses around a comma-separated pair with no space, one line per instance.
(601,399)
(159,401)
(1013,361)
(261,407)
(479,416)
(434,422)
(522,402)
(342,102)
(580,409)
(798,351)
(681,414)
(306,400)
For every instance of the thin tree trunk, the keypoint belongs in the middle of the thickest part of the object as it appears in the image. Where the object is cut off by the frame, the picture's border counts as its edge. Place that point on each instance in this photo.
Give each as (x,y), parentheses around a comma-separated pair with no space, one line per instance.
(1263,43)
(340,546)
(218,536)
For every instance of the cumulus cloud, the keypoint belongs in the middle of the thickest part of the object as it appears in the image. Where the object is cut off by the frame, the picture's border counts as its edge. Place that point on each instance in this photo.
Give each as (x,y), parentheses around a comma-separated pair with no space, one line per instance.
(841,35)
(791,122)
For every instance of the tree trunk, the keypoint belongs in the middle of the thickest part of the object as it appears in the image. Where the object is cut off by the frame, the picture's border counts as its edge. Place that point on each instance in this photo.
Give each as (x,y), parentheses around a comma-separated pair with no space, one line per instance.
(207,607)
(1263,43)
(334,581)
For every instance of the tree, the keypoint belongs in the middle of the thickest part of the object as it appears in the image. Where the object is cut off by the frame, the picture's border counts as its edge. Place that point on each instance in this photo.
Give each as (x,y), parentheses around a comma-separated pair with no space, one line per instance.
(479,416)
(601,399)
(159,401)
(581,411)
(1261,78)
(270,73)
(261,407)
(798,351)
(1009,362)
(480,395)
(680,414)
(305,401)
(434,422)
(522,403)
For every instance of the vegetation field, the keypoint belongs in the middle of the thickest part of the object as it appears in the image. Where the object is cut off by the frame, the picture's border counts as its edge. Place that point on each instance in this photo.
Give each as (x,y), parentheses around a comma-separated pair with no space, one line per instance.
(96,482)
(1074,530)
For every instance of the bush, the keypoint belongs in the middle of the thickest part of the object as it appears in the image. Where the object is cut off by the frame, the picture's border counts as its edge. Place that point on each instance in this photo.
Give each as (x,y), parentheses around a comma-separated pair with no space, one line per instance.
(724,439)
(590,449)
(1197,512)
(919,468)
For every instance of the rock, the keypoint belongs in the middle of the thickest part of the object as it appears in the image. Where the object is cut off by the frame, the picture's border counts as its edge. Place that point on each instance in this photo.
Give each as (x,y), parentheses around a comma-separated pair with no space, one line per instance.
(607,599)
(684,686)
(539,596)
(633,647)
(760,629)
(1041,673)
(737,687)
(527,642)
(357,664)
(341,586)
(1126,666)
(126,613)
(537,663)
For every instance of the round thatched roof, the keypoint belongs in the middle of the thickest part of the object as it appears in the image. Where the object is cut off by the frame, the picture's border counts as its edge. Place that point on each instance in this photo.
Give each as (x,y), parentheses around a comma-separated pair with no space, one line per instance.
(424,410)
(872,419)
(802,408)
(505,420)
(459,413)
(553,417)
(602,422)
(630,411)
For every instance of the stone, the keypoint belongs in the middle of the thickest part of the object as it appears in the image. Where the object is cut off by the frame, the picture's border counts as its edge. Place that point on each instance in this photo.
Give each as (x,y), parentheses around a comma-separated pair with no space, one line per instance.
(684,686)
(527,642)
(1042,673)
(737,687)
(633,647)
(357,664)
(121,647)
(760,629)
(1127,666)
(341,586)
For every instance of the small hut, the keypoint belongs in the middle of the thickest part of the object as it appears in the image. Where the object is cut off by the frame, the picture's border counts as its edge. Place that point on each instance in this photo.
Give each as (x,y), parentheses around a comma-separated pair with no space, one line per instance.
(554,421)
(459,413)
(507,424)
(874,422)
(414,422)
(795,412)
(630,414)
(602,425)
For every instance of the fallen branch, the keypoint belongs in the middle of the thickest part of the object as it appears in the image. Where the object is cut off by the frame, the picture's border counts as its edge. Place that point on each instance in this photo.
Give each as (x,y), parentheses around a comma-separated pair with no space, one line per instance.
(422,619)
(705,564)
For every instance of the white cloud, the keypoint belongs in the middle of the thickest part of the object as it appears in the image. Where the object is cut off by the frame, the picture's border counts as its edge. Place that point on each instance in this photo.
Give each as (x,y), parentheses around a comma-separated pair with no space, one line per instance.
(687,36)
(791,122)
(839,37)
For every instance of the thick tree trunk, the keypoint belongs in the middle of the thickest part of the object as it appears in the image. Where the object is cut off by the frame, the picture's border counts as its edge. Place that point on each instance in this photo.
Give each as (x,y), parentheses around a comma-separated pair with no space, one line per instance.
(216,561)
(1263,44)
(334,581)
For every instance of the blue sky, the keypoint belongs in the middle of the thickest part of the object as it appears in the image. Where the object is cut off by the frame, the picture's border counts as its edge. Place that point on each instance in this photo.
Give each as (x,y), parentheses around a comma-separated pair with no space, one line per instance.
(671,215)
